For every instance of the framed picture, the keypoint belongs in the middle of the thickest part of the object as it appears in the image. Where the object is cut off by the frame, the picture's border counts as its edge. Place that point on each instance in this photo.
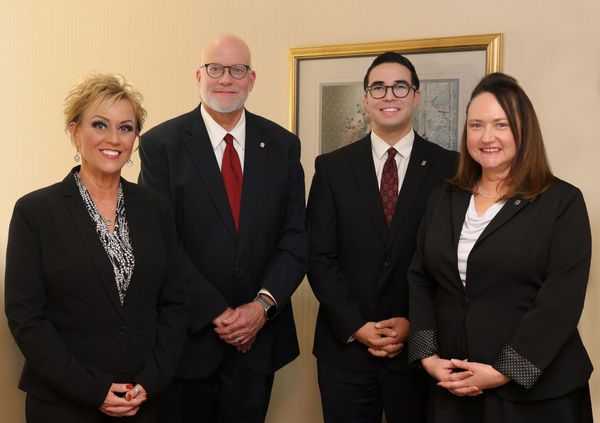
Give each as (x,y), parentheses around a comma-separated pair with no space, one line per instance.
(326,87)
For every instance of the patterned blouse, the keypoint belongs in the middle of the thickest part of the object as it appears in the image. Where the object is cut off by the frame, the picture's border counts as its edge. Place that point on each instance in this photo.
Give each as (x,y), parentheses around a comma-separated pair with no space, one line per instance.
(116,244)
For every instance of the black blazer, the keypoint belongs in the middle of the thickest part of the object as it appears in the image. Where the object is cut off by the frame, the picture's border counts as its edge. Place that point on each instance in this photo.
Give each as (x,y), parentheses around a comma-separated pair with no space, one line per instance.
(62,303)
(526,280)
(357,264)
(227,268)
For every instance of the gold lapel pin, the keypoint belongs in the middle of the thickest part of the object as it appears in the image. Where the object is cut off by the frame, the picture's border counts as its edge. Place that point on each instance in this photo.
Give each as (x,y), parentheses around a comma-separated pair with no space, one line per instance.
(424,162)
(262,145)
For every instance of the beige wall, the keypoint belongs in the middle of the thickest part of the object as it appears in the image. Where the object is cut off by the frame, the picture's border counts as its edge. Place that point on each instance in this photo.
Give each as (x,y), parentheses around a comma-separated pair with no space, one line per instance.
(551,47)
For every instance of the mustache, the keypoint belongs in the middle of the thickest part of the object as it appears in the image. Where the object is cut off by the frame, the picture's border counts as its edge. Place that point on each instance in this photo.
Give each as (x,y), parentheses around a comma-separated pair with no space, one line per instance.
(223,88)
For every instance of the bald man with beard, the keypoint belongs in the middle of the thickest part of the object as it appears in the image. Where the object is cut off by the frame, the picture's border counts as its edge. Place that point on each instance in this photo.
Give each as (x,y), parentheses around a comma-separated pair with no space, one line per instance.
(236,185)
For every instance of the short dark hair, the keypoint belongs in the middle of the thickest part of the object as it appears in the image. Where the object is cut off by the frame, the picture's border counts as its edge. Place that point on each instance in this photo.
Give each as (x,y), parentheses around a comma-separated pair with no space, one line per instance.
(530,173)
(393,57)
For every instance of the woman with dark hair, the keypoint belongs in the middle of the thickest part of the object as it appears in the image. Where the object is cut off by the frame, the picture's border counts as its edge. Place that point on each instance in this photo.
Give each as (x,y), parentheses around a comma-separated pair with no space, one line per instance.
(94,293)
(498,281)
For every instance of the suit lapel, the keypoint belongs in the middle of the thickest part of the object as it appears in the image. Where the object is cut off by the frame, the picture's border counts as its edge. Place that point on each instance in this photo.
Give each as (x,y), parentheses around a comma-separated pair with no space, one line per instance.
(418,167)
(255,173)
(513,206)
(203,155)
(90,240)
(140,235)
(460,203)
(364,171)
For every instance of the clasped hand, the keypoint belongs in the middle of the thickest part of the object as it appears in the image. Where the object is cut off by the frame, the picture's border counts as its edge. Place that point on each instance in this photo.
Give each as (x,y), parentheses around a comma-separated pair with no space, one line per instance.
(384,338)
(239,327)
(462,377)
(123,400)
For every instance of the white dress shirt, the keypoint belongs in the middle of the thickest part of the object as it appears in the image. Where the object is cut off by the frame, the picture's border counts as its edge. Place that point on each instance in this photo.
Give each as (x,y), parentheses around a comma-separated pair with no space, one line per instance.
(379,149)
(217,133)
(403,148)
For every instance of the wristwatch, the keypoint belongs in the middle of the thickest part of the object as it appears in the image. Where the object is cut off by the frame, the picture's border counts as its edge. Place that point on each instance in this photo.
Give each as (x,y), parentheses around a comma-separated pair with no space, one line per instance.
(270,309)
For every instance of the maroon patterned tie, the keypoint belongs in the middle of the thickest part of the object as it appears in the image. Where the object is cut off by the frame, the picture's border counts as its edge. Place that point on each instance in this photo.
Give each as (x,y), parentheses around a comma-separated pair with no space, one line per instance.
(231,170)
(389,186)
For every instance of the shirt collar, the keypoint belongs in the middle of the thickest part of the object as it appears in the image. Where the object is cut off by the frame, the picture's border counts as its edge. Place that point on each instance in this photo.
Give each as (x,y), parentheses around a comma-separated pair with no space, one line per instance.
(216,132)
(403,146)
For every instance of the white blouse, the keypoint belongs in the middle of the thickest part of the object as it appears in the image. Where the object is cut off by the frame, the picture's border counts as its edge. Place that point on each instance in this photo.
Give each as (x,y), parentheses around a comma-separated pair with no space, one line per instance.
(473,226)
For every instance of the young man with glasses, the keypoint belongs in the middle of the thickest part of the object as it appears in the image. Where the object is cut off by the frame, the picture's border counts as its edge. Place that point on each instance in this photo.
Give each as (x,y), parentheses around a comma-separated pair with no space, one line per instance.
(237,188)
(364,208)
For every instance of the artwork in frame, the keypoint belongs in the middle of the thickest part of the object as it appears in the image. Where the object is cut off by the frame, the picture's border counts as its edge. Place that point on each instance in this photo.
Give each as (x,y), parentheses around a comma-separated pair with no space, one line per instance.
(326,87)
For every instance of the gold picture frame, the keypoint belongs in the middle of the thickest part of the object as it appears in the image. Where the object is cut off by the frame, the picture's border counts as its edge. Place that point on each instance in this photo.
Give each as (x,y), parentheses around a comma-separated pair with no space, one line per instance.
(351,61)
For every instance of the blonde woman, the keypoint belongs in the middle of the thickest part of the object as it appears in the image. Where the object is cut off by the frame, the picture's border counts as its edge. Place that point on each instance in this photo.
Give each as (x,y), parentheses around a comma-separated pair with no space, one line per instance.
(94,294)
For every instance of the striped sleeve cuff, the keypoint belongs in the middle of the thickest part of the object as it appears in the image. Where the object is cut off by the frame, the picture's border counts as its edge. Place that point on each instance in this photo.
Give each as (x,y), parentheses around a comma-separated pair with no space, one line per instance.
(517,367)
(421,344)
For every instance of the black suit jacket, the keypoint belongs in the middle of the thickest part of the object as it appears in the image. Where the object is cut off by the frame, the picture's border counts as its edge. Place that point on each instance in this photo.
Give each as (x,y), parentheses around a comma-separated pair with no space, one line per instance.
(227,268)
(62,302)
(357,264)
(526,280)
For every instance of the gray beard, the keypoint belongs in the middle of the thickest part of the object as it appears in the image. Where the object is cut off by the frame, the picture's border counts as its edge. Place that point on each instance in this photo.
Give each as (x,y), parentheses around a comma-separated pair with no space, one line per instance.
(214,104)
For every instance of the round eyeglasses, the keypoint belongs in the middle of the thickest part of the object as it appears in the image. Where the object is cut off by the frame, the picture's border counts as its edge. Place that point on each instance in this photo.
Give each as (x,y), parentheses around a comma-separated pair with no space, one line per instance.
(400,90)
(216,70)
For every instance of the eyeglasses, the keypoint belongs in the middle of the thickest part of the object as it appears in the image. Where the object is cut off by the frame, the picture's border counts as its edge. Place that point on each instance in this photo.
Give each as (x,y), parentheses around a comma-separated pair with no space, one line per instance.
(216,70)
(400,90)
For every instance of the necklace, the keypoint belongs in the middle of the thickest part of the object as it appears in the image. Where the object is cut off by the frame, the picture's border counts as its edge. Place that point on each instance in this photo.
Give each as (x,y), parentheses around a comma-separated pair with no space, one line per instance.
(485,196)
(108,221)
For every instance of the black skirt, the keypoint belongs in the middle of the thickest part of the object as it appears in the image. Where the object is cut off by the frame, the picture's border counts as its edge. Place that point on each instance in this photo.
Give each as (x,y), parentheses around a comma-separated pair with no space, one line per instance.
(444,407)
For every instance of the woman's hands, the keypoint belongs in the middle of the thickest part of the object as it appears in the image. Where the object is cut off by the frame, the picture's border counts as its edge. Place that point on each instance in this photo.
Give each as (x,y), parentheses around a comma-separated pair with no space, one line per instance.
(462,377)
(123,400)
(482,377)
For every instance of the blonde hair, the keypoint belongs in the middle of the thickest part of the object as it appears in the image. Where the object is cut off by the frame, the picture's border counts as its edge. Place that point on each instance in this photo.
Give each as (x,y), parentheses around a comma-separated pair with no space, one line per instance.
(96,88)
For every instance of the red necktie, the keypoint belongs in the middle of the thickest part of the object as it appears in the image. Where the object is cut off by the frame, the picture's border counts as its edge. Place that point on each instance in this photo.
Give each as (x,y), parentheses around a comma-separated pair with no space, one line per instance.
(389,186)
(231,170)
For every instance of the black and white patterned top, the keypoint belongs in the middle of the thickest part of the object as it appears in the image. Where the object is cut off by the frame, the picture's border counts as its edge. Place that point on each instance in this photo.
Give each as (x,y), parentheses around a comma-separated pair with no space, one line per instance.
(116,244)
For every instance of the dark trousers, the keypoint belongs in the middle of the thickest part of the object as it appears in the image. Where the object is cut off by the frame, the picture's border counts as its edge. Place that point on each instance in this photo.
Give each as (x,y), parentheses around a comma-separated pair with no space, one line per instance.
(42,411)
(232,394)
(350,396)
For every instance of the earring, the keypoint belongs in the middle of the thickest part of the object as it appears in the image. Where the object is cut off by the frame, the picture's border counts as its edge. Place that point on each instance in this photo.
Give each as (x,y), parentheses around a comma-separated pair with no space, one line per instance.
(77,157)
(129,163)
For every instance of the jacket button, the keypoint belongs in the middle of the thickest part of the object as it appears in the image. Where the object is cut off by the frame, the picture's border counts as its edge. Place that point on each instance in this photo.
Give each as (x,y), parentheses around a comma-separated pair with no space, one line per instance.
(465,302)
(121,330)
(386,263)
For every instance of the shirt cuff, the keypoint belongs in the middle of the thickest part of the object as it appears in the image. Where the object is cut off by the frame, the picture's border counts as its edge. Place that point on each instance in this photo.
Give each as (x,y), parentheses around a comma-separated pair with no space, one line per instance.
(517,367)
(422,344)
(268,294)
